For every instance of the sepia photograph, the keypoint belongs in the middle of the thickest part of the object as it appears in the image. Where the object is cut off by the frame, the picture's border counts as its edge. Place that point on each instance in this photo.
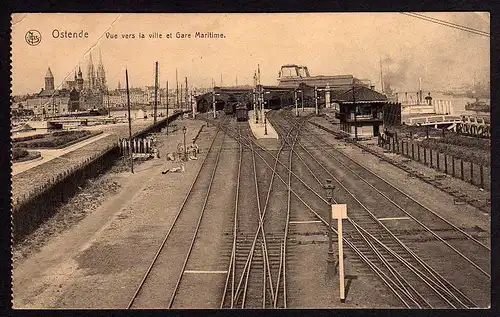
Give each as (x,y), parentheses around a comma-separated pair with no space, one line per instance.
(251,160)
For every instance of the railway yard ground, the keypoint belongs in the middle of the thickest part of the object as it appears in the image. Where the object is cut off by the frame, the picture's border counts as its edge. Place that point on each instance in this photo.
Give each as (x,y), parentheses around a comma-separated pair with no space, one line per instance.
(245,226)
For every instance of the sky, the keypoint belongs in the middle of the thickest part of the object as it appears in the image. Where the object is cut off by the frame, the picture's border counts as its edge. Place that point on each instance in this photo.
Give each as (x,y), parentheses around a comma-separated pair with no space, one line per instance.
(328,43)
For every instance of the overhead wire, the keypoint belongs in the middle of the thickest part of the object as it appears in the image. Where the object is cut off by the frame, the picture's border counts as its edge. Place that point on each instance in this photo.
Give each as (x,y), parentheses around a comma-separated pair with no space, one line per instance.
(448,24)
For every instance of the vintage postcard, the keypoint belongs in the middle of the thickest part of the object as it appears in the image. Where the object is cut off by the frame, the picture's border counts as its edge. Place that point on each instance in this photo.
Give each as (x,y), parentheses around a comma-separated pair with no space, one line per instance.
(228,161)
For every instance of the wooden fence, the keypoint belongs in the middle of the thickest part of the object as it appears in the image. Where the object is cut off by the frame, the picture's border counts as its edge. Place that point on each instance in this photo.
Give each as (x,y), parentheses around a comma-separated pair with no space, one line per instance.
(476,174)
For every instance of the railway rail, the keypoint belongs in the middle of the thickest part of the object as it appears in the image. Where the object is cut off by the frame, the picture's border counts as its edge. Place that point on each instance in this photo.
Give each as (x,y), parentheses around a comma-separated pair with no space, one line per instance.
(178,242)
(457,299)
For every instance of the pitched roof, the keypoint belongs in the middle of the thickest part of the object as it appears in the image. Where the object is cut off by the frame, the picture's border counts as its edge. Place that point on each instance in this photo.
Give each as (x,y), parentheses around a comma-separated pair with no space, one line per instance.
(49,73)
(361,94)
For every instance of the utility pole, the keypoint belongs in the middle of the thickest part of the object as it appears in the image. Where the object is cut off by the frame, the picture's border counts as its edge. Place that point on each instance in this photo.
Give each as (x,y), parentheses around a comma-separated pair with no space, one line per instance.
(156,93)
(181,102)
(316,99)
(109,106)
(167,108)
(176,90)
(187,97)
(381,76)
(261,105)
(355,114)
(129,125)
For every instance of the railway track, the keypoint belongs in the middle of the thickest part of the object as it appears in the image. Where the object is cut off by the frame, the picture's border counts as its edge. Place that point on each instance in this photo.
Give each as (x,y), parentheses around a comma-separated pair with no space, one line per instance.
(367,228)
(431,222)
(256,277)
(157,289)
(485,207)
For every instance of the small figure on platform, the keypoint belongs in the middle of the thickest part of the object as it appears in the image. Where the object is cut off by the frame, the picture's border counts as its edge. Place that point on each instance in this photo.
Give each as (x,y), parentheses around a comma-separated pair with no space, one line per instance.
(428,99)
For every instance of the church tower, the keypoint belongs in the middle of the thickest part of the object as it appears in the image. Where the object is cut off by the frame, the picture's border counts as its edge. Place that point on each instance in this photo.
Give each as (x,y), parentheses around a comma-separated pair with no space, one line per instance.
(101,75)
(91,73)
(79,80)
(49,80)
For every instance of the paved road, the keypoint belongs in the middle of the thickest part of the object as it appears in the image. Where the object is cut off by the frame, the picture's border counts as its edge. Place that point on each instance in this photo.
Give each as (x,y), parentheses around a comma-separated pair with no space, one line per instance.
(48,155)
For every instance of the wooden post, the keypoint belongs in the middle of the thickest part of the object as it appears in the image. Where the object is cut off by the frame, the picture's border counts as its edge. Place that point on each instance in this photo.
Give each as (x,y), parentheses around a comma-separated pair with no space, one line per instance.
(437,159)
(462,169)
(156,93)
(167,110)
(472,173)
(407,154)
(341,260)
(129,123)
(412,151)
(430,156)
(418,151)
(445,163)
(481,173)
(453,166)
(425,156)
(393,145)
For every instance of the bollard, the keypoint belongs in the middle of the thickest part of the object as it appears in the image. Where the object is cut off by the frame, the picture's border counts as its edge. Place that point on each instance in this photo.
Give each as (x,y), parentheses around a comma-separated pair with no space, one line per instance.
(407,154)
(418,152)
(430,157)
(462,169)
(437,159)
(412,151)
(425,156)
(393,145)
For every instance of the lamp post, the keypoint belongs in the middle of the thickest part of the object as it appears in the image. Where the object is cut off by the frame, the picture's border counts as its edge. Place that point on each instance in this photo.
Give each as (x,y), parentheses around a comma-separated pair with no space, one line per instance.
(296,105)
(265,123)
(329,187)
(185,153)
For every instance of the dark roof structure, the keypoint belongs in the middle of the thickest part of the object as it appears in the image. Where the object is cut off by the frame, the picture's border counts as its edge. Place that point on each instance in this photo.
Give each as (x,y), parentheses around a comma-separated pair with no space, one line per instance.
(361,95)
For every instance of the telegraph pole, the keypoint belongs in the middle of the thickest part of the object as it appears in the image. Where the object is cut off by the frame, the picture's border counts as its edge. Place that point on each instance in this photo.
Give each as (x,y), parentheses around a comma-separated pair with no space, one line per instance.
(316,99)
(167,108)
(355,114)
(187,97)
(176,90)
(129,125)
(156,92)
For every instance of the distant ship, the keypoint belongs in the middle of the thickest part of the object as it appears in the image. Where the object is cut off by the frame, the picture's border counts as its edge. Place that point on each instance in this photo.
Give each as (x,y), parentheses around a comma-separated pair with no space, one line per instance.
(478,106)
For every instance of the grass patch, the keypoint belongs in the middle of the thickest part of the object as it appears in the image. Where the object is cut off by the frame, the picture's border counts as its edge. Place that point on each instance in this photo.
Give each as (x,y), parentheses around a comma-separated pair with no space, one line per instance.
(19,153)
(22,155)
(57,139)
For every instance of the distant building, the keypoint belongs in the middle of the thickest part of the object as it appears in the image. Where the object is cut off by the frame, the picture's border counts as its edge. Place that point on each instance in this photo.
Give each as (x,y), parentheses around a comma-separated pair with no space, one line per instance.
(95,86)
(51,102)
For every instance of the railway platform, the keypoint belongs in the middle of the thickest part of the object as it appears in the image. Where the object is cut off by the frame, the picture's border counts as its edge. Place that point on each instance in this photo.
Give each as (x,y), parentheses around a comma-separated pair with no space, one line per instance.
(259,129)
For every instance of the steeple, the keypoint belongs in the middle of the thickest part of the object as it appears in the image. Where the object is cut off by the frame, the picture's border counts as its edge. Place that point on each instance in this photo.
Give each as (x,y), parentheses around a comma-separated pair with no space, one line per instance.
(49,80)
(91,73)
(79,80)
(101,75)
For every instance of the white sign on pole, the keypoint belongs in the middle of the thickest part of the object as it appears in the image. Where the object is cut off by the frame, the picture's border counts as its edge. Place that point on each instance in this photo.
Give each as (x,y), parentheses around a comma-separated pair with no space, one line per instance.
(339,211)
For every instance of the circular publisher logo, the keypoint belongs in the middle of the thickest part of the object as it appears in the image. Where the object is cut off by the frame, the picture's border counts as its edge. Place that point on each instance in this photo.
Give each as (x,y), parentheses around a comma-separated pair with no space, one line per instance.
(33,37)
